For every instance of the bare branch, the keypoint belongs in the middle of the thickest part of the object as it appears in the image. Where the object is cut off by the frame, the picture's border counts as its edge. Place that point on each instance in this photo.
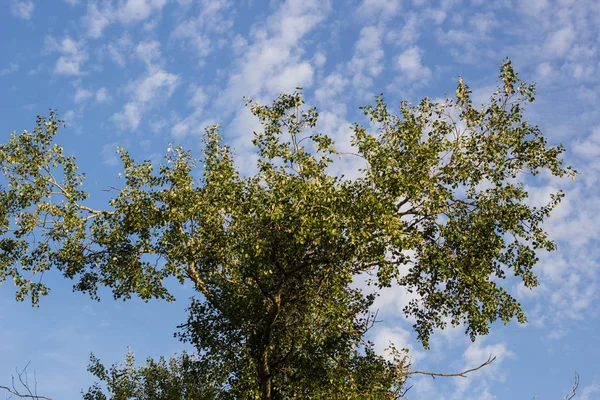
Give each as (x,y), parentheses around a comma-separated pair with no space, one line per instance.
(462,374)
(23,379)
(573,390)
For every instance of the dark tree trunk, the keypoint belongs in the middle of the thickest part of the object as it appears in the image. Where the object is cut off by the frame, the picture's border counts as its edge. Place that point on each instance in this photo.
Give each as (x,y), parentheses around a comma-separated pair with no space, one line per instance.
(264,371)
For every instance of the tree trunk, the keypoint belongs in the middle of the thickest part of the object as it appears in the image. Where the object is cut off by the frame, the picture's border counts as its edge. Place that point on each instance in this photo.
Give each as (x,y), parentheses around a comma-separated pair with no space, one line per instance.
(264,371)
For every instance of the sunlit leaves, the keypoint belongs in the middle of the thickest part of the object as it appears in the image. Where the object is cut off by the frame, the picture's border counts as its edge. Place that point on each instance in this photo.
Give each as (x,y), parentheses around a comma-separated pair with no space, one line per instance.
(440,209)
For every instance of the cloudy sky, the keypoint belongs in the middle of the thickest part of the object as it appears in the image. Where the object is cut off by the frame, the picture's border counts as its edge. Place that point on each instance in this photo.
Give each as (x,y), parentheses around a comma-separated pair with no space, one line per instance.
(144,73)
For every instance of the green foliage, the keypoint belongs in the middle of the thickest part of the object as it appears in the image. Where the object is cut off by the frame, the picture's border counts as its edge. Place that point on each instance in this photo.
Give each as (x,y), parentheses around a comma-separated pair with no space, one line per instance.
(439,209)
(175,379)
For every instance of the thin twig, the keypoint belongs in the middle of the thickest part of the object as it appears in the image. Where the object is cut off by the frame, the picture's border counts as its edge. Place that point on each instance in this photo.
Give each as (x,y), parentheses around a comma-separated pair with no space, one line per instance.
(462,374)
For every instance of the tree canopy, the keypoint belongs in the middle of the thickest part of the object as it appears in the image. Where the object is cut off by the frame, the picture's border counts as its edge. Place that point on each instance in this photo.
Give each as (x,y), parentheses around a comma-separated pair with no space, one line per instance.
(439,209)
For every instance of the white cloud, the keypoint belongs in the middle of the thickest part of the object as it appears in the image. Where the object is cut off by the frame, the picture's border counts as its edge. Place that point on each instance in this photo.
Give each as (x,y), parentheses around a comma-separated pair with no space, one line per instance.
(194,123)
(109,154)
(368,54)
(379,8)
(71,115)
(275,48)
(408,34)
(476,354)
(102,96)
(266,65)
(158,85)
(590,147)
(437,15)
(339,129)
(96,20)
(558,42)
(590,392)
(199,42)
(238,44)
(12,68)
(99,16)
(72,119)
(22,8)
(149,52)
(181,129)
(129,118)
(120,49)
(467,39)
(482,23)
(82,95)
(138,10)
(203,32)
(319,59)
(544,70)
(399,337)
(533,7)
(329,90)
(409,64)
(73,55)
(292,76)
(198,98)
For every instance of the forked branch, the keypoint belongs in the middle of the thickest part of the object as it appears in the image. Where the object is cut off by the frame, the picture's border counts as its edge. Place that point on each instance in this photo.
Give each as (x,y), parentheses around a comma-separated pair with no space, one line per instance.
(30,393)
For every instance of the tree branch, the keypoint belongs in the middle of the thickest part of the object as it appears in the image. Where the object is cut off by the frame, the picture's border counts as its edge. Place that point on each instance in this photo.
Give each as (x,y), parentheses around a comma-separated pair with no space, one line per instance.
(462,374)
(25,383)
(573,390)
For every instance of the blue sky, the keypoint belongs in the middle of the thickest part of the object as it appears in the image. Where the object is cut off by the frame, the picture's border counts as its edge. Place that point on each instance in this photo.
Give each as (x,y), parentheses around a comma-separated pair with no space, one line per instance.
(144,73)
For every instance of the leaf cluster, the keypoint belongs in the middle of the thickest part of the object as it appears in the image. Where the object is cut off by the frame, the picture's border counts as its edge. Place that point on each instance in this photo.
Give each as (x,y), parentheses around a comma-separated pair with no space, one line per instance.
(440,209)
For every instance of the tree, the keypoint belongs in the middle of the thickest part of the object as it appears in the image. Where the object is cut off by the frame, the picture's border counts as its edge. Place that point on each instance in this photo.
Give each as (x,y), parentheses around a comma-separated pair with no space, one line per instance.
(439,209)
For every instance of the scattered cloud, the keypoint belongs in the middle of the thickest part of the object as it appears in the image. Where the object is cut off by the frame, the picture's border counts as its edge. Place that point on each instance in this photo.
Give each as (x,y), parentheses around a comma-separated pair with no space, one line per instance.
(101,15)
(319,59)
(407,34)
(72,55)
(398,337)
(366,63)
(590,147)
(379,8)
(138,10)
(110,155)
(200,33)
(100,96)
(329,90)
(410,65)
(156,85)
(149,52)
(82,95)
(558,42)
(120,50)
(22,8)
(590,392)
(544,70)
(129,117)
(12,68)
(291,77)
(97,19)
(476,354)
